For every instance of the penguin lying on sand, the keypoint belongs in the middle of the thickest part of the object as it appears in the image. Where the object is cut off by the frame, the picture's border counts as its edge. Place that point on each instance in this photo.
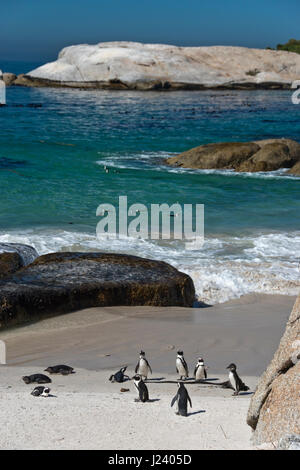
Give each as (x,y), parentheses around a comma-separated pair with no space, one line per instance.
(143,366)
(60,369)
(182,398)
(40,391)
(36,378)
(141,388)
(119,376)
(234,382)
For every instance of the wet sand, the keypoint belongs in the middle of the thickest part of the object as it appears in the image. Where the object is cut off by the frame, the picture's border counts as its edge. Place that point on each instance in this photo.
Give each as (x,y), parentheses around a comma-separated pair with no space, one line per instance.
(98,341)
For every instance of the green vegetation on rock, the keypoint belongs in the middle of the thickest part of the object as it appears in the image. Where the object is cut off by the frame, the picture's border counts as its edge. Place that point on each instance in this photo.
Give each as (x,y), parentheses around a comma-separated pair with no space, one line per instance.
(293,45)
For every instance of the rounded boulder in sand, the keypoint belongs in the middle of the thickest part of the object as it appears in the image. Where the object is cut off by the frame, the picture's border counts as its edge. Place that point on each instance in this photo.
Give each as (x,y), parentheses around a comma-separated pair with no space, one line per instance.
(64,282)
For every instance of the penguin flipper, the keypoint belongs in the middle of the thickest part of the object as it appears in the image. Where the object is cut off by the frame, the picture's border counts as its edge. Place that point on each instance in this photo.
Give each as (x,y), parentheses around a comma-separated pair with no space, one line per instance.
(195,371)
(173,400)
(190,401)
(137,368)
(148,365)
(205,373)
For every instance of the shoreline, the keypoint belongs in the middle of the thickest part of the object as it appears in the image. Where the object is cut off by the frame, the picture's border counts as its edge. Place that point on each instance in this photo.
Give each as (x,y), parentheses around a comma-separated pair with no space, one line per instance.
(98,341)
(246,330)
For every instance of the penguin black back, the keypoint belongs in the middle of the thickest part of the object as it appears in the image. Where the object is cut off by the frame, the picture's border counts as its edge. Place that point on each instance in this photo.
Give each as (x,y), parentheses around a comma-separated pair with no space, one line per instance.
(119,376)
(36,378)
(235,381)
(182,398)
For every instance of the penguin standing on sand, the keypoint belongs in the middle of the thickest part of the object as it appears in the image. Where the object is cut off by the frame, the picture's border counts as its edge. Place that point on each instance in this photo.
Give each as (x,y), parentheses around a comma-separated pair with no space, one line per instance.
(182,398)
(234,381)
(181,366)
(141,388)
(200,370)
(143,366)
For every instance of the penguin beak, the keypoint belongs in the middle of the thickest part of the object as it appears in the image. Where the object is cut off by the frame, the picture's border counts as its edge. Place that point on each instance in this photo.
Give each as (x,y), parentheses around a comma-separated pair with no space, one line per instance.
(228,367)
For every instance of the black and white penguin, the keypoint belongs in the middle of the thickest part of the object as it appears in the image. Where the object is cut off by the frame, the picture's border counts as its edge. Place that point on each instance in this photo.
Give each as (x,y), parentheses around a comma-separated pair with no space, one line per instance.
(119,376)
(182,398)
(200,370)
(40,391)
(181,366)
(143,366)
(141,388)
(234,381)
(60,369)
(37,378)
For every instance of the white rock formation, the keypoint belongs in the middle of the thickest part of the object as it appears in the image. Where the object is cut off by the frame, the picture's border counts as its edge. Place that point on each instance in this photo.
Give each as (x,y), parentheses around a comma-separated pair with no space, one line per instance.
(147,66)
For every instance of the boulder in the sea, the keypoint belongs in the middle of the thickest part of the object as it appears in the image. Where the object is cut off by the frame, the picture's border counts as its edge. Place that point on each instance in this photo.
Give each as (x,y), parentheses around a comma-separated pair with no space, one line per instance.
(137,66)
(270,157)
(295,170)
(275,406)
(9,78)
(213,156)
(264,155)
(63,282)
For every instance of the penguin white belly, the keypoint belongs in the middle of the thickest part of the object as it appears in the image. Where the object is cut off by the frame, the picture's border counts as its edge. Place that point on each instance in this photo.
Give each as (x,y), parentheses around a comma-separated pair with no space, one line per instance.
(180,368)
(232,380)
(200,374)
(143,368)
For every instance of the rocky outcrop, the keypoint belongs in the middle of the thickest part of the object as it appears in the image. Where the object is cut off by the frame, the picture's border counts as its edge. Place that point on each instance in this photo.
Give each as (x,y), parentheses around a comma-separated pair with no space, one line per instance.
(295,170)
(264,155)
(14,256)
(9,264)
(269,158)
(274,411)
(223,155)
(130,65)
(27,253)
(9,78)
(63,282)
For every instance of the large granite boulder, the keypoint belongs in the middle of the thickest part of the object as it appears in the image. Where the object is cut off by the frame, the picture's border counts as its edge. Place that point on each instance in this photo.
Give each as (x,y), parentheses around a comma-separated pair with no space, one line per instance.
(9,264)
(295,170)
(130,65)
(9,78)
(274,411)
(13,256)
(270,157)
(63,282)
(27,253)
(222,155)
(264,155)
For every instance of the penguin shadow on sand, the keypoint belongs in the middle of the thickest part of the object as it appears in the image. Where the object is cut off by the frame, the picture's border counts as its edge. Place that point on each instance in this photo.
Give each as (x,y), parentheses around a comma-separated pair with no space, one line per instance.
(153,379)
(196,412)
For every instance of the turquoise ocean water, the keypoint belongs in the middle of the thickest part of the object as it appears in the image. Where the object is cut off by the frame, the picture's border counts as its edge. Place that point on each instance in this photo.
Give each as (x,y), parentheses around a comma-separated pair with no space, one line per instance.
(52,178)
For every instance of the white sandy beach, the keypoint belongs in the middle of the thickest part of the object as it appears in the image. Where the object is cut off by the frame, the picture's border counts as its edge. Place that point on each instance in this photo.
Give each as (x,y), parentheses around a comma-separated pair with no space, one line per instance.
(88,412)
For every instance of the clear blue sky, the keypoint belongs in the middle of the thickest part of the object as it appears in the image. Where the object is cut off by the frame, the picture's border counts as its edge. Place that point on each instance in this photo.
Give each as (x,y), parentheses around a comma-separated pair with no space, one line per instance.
(38,29)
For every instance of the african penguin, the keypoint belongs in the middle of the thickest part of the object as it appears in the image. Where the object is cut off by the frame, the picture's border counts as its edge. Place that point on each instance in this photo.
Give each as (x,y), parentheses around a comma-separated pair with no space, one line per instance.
(234,380)
(36,378)
(143,366)
(182,398)
(60,369)
(40,391)
(141,388)
(181,366)
(200,370)
(119,376)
